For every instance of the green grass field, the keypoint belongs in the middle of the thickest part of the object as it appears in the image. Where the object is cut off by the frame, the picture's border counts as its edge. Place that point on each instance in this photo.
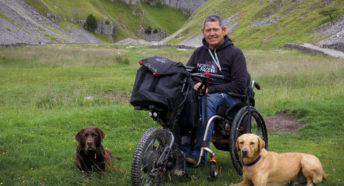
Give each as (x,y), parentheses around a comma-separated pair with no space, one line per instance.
(48,93)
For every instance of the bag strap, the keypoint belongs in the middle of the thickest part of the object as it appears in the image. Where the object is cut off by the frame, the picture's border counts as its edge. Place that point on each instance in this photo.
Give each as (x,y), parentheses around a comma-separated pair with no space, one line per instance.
(155,82)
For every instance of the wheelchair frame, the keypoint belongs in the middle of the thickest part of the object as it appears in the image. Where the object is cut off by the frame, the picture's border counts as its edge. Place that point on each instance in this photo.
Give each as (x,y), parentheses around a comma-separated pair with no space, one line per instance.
(249,106)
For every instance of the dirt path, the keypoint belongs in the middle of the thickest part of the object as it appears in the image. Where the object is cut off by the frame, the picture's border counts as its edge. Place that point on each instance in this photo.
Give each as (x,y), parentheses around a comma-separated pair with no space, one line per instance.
(282,123)
(312,49)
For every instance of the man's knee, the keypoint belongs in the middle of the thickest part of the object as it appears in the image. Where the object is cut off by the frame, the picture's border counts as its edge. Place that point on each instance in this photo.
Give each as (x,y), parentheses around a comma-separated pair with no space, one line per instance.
(213,101)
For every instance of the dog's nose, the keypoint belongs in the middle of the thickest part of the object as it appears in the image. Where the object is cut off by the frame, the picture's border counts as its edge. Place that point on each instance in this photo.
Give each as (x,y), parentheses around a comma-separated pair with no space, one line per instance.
(244,152)
(89,143)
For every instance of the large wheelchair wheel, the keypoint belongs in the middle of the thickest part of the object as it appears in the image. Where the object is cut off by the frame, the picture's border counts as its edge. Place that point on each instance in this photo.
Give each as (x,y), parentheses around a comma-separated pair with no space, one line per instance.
(144,168)
(247,120)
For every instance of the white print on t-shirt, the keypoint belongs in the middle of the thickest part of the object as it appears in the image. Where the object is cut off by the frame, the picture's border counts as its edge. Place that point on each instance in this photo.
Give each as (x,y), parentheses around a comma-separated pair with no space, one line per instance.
(208,67)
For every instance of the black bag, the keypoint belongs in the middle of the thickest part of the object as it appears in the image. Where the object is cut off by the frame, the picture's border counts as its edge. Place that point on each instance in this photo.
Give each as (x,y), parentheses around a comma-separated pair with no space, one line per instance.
(160,83)
(189,116)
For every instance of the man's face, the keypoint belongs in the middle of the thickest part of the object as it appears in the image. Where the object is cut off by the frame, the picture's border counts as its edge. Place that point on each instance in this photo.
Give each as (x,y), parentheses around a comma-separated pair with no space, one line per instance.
(213,34)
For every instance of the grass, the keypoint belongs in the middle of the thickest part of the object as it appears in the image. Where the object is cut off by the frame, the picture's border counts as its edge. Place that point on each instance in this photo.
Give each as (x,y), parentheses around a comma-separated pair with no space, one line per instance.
(48,93)
(164,22)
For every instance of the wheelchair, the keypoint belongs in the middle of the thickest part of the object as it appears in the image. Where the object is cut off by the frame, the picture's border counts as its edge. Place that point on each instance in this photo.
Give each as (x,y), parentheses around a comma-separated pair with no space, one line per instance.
(229,124)
(157,153)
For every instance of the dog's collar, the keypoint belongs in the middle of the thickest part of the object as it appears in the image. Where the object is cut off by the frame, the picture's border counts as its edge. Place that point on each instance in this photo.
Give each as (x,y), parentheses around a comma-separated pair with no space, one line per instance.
(252,163)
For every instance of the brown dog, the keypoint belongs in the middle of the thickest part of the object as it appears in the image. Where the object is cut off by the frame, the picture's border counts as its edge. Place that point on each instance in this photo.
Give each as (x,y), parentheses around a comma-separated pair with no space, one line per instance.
(90,153)
(262,167)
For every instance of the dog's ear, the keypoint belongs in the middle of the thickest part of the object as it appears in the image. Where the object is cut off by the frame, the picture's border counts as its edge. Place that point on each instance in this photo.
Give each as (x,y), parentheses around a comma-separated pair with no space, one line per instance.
(79,134)
(261,143)
(101,133)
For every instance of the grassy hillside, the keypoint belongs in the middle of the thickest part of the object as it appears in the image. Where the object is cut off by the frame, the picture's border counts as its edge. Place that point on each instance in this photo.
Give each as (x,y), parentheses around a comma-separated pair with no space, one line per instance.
(297,20)
(126,18)
(50,92)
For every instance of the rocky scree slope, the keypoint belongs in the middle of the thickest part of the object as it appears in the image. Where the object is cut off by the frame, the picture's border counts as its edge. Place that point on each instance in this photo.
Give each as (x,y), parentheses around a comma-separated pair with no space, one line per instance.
(21,24)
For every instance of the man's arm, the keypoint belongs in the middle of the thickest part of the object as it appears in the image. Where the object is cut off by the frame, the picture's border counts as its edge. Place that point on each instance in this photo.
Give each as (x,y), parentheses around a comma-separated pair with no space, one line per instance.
(239,77)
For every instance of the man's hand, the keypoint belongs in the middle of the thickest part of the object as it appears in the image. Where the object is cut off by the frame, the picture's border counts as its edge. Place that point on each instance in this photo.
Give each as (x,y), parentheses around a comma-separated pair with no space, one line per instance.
(197,85)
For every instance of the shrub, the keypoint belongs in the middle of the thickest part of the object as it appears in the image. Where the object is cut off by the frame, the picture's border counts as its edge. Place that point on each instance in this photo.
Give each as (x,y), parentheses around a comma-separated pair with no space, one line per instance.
(148,30)
(328,12)
(122,60)
(91,23)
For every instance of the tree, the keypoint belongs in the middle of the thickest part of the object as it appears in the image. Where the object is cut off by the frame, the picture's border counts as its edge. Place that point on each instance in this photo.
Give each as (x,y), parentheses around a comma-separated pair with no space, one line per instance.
(148,30)
(91,23)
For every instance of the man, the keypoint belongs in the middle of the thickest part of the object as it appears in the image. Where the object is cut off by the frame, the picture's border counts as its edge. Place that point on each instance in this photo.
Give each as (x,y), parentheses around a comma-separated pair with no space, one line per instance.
(217,55)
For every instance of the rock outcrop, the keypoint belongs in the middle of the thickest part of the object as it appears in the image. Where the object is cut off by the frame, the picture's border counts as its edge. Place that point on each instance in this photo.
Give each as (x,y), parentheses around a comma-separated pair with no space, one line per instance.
(336,30)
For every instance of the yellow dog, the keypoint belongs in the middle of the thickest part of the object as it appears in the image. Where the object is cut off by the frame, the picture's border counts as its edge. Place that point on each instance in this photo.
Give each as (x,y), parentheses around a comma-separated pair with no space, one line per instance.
(262,167)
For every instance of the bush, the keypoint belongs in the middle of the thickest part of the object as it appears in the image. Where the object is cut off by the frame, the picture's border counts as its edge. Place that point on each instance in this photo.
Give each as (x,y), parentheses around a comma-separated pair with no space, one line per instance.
(328,12)
(148,30)
(91,23)
(122,60)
